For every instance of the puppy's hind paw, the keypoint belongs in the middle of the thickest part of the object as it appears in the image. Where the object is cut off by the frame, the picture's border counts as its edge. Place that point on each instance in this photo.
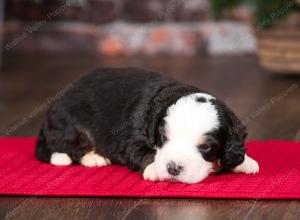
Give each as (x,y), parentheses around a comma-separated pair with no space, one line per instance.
(60,159)
(150,173)
(249,166)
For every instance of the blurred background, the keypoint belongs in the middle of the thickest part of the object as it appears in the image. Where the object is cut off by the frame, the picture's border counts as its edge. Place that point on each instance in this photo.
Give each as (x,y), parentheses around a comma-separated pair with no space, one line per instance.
(246,52)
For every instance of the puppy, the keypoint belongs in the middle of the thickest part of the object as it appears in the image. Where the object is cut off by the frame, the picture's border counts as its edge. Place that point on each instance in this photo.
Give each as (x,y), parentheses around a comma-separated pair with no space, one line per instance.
(148,122)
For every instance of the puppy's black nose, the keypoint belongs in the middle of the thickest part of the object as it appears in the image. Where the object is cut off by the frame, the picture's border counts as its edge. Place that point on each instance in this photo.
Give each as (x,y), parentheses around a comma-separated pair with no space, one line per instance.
(174,169)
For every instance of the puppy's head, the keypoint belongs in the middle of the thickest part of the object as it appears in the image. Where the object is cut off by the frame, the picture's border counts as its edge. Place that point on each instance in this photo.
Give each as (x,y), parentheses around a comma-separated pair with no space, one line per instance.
(198,134)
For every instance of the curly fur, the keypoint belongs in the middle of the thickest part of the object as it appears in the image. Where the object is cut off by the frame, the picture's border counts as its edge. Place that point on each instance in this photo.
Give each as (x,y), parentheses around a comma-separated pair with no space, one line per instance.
(119,114)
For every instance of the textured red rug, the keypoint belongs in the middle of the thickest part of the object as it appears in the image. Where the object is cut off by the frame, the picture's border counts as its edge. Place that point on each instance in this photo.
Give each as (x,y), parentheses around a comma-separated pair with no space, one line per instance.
(21,174)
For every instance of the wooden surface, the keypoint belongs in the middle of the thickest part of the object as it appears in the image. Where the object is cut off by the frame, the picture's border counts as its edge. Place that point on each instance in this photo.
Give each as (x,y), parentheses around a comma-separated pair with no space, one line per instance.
(269,105)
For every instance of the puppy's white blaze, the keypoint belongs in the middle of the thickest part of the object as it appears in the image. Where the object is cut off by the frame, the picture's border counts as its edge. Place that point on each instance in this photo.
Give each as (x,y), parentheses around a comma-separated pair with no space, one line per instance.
(92,159)
(187,117)
(186,123)
(249,166)
(60,159)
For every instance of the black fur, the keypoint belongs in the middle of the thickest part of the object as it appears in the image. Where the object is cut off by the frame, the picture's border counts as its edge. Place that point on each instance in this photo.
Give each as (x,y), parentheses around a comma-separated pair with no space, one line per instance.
(201,99)
(231,136)
(118,113)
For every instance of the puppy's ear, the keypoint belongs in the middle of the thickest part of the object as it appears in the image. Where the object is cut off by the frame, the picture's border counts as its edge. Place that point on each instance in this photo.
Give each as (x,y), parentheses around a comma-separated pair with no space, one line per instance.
(233,153)
(234,150)
(234,134)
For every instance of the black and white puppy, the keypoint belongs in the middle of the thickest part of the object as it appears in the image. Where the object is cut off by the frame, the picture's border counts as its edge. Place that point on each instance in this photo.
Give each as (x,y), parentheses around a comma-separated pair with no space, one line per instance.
(146,121)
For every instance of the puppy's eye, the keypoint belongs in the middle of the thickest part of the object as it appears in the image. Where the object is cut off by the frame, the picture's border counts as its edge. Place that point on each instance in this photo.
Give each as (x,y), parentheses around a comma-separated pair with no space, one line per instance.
(204,147)
(163,138)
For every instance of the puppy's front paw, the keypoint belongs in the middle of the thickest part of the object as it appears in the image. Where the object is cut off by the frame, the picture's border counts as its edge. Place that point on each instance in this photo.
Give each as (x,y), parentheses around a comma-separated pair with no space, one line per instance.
(92,159)
(249,166)
(150,173)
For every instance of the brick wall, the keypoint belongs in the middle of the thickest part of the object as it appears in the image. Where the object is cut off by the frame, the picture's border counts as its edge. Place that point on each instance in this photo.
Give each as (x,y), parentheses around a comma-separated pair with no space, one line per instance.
(104,11)
(123,27)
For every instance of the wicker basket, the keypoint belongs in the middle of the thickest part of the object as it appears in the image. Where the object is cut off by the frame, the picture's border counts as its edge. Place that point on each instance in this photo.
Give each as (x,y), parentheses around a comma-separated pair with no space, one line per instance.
(279,46)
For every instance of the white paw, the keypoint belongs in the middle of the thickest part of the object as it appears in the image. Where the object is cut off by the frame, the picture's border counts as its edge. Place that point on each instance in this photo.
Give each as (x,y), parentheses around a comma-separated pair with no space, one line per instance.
(92,159)
(60,159)
(150,173)
(249,166)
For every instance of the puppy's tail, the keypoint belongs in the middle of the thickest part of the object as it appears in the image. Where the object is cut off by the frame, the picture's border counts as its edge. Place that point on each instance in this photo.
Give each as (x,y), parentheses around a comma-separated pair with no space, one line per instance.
(42,152)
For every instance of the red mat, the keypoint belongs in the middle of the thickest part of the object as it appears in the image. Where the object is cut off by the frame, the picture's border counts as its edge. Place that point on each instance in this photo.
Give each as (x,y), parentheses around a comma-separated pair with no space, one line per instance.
(21,174)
